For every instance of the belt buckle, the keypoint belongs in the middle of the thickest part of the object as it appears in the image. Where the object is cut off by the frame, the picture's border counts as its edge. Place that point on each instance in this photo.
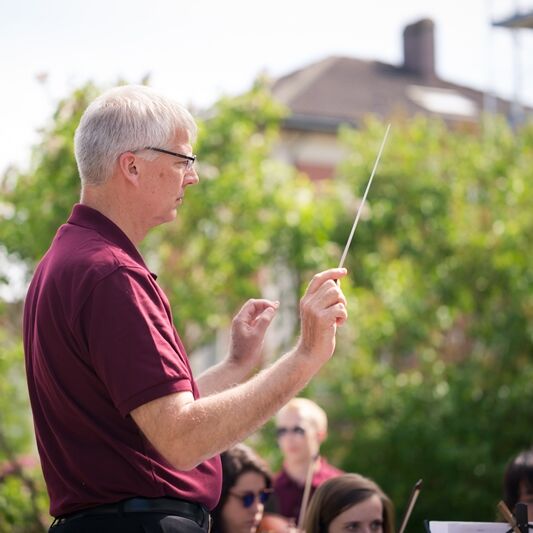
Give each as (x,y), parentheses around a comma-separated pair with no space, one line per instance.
(58,520)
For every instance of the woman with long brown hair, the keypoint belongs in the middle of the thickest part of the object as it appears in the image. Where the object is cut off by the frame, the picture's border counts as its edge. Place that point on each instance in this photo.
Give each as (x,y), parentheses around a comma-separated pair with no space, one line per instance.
(349,503)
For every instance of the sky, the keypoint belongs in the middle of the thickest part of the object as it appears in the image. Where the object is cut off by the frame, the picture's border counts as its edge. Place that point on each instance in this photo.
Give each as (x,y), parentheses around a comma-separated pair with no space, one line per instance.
(198,50)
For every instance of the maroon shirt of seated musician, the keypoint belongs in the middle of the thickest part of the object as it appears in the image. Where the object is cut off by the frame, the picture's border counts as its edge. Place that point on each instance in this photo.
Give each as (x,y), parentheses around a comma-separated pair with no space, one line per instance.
(120,352)
(301,428)
(289,493)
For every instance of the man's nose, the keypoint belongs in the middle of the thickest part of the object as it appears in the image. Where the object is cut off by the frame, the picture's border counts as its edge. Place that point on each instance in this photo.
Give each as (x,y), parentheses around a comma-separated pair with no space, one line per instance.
(192,177)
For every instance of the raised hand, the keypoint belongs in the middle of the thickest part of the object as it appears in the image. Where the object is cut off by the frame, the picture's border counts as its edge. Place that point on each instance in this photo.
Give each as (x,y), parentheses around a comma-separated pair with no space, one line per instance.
(248,330)
(322,309)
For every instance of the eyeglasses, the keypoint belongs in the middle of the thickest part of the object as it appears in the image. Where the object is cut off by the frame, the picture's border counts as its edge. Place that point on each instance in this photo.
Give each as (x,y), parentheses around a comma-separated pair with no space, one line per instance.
(190,158)
(282,431)
(248,498)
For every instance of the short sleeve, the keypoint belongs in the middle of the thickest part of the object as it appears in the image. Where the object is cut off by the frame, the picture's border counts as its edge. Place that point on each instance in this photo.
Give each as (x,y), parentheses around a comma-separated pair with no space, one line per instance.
(132,344)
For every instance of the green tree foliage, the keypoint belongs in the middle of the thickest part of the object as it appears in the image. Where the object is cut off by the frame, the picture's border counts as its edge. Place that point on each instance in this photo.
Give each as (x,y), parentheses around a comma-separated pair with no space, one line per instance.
(35,203)
(432,376)
(23,503)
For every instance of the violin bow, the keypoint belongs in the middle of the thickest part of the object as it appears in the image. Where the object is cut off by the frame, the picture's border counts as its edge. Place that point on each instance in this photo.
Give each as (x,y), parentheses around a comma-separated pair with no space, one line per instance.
(410,505)
(347,247)
(307,491)
(506,513)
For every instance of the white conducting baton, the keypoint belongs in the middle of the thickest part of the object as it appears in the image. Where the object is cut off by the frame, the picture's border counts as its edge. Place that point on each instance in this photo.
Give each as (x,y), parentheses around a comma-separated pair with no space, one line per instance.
(364,198)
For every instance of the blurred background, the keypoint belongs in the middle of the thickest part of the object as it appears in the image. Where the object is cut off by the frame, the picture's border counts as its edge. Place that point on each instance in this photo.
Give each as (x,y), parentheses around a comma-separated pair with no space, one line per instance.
(433,374)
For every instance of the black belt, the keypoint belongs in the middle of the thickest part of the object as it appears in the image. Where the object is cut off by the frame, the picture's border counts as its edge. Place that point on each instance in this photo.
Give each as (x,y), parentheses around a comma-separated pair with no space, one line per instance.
(169,506)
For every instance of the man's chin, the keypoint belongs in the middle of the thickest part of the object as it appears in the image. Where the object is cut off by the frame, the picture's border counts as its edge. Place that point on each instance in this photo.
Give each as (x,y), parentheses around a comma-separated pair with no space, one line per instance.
(170,216)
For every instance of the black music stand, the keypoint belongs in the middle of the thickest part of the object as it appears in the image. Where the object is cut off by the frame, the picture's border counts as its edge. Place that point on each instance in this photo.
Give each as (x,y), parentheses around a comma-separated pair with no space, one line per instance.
(520,514)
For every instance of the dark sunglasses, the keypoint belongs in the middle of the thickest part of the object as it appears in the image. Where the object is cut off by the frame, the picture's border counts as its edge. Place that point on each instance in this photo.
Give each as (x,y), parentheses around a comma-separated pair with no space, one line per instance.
(248,498)
(282,431)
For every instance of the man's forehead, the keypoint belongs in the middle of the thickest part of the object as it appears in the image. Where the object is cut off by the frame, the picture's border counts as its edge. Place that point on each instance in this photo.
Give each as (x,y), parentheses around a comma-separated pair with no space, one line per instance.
(183,138)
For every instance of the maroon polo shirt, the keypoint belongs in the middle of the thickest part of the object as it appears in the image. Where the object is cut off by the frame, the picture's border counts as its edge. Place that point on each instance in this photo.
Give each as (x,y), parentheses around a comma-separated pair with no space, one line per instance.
(99,341)
(289,493)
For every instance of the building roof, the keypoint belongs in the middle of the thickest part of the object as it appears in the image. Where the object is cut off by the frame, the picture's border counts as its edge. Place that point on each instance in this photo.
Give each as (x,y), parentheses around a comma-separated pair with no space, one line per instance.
(337,90)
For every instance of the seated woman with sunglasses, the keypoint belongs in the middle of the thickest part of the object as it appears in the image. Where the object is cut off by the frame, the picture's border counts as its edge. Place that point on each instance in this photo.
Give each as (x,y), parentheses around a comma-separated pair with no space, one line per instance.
(246,486)
(349,503)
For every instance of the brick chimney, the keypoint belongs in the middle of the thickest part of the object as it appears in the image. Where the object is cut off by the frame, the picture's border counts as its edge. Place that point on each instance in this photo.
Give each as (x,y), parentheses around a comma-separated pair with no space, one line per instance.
(419,49)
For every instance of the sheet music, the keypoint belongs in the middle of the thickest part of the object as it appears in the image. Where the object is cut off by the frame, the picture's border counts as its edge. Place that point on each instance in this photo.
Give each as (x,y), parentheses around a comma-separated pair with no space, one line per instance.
(468,527)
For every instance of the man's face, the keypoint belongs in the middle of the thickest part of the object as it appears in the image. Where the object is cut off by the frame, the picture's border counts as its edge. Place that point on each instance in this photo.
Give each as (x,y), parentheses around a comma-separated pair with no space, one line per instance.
(163,181)
(298,438)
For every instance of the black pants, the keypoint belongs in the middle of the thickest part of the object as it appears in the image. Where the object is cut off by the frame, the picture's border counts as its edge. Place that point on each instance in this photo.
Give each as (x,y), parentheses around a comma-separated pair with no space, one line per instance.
(129,523)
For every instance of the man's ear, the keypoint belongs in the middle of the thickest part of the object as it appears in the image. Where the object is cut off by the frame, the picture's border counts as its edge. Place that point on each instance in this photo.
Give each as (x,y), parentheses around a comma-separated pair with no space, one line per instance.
(128,165)
(321,436)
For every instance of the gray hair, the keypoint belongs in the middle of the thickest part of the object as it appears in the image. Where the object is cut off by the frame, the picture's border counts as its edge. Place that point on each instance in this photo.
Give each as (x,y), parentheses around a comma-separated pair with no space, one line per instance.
(126,118)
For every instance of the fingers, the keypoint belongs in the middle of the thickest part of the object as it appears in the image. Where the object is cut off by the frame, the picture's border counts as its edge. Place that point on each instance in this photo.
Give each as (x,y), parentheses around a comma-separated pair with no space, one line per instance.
(320,278)
(322,309)
(254,308)
(248,330)
(262,321)
(328,305)
(330,294)
(257,311)
(341,315)
(324,290)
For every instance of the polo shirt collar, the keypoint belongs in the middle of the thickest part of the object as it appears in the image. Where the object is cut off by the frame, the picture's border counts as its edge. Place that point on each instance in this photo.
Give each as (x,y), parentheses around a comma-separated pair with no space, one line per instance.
(87,217)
